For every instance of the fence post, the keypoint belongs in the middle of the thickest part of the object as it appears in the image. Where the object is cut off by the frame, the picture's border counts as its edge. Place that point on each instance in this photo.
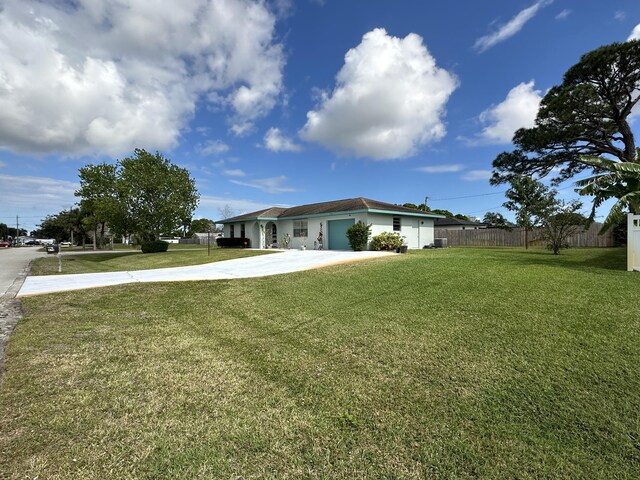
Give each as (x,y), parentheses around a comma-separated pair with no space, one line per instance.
(630,243)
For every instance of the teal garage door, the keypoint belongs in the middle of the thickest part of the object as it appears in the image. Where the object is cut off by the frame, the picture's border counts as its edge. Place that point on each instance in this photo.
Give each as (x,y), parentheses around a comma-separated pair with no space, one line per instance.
(338,233)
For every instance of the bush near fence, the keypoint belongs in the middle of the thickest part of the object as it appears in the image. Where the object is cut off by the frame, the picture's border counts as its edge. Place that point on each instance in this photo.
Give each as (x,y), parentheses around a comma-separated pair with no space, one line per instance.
(495,237)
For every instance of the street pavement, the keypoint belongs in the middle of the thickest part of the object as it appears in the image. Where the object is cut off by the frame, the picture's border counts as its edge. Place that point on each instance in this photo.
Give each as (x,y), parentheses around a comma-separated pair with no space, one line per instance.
(264,265)
(14,262)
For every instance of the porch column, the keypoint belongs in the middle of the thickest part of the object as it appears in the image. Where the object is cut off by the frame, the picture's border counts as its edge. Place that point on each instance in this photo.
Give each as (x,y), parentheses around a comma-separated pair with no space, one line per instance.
(261,228)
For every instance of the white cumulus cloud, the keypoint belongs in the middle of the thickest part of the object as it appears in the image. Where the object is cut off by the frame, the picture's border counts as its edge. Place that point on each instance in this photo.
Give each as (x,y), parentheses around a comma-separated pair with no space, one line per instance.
(518,110)
(635,34)
(105,76)
(213,147)
(275,141)
(234,172)
(445,168)
(210,205)
(268,185)
(35,197)
(476,175)
(389,100)
(510,28)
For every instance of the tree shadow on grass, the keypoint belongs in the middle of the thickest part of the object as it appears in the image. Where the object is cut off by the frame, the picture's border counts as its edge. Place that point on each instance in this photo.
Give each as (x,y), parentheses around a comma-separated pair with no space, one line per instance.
(101,257)
(612,259)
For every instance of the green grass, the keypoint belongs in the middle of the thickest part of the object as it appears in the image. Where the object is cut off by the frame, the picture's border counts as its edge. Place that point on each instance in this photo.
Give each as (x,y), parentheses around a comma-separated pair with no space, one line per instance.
(135,260)
(120,246)
(457,363)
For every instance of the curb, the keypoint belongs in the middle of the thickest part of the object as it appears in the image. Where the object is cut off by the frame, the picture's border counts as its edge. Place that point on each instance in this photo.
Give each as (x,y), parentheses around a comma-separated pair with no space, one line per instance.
(13,290)
(10,313)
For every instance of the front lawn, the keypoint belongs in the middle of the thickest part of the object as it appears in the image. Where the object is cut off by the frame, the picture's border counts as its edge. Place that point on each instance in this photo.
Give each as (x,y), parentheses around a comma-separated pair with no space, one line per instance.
(457,363)
(135,260)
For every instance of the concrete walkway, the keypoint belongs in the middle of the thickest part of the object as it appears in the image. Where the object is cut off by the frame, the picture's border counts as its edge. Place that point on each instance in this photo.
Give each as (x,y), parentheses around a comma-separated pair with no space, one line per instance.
(260,266)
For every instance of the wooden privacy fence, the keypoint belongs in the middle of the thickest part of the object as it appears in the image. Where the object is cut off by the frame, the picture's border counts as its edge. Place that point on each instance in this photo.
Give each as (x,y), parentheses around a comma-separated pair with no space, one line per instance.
(495,237)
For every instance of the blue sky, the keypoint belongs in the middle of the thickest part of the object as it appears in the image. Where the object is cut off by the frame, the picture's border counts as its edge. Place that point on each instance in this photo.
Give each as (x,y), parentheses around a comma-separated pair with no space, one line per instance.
(282,102)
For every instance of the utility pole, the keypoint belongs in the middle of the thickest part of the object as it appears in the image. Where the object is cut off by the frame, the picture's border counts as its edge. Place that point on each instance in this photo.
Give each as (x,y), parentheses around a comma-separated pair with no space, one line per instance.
(425,203)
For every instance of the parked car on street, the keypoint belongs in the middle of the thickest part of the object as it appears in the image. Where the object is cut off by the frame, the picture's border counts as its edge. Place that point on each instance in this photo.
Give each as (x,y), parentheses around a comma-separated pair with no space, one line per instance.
(65,244)
(4,244)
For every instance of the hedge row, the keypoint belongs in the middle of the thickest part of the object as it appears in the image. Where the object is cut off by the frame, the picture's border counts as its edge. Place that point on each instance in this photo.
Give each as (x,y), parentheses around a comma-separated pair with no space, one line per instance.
(237,242)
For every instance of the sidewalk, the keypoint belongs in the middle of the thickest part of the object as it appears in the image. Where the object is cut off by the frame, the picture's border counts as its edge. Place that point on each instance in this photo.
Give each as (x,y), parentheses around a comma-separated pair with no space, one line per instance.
(260,266)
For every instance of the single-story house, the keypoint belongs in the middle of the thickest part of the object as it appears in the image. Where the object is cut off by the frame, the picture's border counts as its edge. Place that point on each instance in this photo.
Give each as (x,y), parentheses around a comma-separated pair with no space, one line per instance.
(451,223)
(326,224)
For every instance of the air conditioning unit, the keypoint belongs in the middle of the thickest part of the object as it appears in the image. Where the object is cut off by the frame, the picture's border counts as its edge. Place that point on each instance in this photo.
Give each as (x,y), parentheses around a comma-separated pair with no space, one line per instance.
(440,242)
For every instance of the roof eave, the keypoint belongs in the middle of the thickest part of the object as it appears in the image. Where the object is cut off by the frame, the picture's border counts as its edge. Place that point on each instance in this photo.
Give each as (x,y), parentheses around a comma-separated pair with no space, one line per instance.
(410,214)
(250,219)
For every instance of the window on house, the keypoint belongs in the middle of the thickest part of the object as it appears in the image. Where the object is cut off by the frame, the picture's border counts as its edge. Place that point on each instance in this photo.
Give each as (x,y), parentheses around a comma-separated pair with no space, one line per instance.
(300,228)
(242,230)
(396,224)
(232,231)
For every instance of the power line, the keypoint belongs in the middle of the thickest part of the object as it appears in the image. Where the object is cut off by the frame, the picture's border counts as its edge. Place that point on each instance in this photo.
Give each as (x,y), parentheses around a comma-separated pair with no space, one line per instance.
(497,193)
(467,196)
(499,207)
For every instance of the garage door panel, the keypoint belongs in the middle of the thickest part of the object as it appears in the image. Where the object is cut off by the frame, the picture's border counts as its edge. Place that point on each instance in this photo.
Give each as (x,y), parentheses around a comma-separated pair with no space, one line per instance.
(337,232)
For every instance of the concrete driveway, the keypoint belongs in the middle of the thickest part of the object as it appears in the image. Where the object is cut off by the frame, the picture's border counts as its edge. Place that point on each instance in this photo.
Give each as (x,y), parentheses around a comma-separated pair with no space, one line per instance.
(260,266)
(13,265)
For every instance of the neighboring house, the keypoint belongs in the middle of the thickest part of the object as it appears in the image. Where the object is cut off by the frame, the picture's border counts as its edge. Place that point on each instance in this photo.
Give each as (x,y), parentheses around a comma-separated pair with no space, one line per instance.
(170,239)
(451,223)
(304,223)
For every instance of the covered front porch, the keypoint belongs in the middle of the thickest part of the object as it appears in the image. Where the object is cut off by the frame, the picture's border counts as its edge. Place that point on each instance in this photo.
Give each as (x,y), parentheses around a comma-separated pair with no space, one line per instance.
(290,234)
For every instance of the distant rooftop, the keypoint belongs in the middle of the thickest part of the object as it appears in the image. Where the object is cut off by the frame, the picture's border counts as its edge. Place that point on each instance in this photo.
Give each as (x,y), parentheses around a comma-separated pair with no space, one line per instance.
(451,221)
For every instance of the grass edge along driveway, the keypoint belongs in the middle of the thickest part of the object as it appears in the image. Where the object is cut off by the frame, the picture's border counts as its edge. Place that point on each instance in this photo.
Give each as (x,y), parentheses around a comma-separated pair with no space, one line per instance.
(457,363)
(135,260)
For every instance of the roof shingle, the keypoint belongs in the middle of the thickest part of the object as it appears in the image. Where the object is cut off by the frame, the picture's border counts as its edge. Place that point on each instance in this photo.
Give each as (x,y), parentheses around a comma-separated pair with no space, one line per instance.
(346,205)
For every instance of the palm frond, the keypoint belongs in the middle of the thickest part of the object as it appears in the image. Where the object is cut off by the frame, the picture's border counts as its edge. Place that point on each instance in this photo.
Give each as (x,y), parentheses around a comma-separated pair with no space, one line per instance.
(616,214)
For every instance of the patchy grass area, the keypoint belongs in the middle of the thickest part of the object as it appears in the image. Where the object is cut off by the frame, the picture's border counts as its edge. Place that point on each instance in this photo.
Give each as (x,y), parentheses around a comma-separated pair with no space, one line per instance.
(135,260)
(457,363)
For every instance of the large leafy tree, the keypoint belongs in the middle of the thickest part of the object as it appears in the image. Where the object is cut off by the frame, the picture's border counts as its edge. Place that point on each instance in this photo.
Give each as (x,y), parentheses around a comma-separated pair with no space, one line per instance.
(496,220)
(158,194)
(586,115)
(531,201)
(100,201)
(145,195)
(201,225)
(63,226)
(6,231)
